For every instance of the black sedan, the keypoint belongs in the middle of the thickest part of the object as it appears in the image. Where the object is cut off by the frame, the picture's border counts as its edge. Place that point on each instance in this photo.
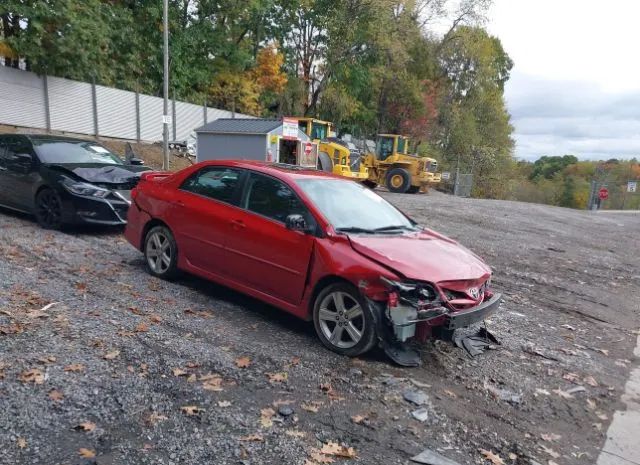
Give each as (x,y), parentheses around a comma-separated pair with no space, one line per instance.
(64,181)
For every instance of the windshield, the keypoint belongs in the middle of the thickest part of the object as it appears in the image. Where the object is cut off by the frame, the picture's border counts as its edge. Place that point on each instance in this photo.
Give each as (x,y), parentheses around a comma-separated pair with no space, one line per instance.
(384,147)
(350,206)
(318,131)
(68,151)
(402,144)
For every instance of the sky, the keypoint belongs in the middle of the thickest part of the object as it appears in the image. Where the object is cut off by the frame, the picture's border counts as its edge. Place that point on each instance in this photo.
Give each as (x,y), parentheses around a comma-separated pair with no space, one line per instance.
(575,84)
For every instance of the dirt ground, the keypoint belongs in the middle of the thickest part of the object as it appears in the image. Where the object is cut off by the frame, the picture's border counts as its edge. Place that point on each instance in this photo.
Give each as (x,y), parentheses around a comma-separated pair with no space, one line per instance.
(97,357)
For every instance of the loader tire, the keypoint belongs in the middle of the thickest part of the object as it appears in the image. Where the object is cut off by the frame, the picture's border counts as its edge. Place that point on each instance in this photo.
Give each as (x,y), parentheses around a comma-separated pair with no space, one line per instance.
(413,190)
(398,180)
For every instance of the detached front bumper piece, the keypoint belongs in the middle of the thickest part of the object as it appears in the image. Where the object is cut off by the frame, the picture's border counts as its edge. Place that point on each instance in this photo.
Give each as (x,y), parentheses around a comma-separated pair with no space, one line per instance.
(464,318)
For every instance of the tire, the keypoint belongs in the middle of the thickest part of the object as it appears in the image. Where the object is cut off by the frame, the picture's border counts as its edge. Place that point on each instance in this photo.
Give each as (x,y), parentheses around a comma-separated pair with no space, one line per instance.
(398,180)
(48,209)
(327,318)
(161,253)
(413,190)
(324,162)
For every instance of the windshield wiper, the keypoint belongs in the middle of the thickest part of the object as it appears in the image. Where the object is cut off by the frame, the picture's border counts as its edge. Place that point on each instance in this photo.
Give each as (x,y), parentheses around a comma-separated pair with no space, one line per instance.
(394,228)
(355,229)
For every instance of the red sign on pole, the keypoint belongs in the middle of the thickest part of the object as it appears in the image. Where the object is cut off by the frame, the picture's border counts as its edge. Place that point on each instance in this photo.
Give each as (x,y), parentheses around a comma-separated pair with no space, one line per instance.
(308,147)
(603,193)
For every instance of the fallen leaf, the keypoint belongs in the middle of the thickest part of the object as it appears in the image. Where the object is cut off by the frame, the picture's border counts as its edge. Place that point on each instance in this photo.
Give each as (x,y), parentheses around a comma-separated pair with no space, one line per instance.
(266,415)
(495,459)
(295,433)
(591,404)
(333,448)
(155,318)
(142,328)
(563,394)
(597,426)
(22,443)
(311,406)
(549,451)
(224,403)
(550,436)
(253,437)
(81,286)
(543,392)
(111,355)
(86,426)
(191,410)
(277,377)
(318,458)
(451,394)
(47,359)
(590,380)
(212,382)
(243,362)
(572,377)
(602,416)
(86,453)
(154,418)
(55,395)
(512,456)
(74,367)
(358,419)
(34,376)
(179,372)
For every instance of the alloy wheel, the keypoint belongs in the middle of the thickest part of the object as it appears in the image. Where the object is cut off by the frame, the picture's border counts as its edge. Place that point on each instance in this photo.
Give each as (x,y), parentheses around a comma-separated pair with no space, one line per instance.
(341,320)
(158,252)
(49,209)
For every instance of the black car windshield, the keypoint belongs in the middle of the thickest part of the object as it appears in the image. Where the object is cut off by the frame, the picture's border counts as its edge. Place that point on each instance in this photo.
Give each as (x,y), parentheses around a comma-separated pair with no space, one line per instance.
(63,151)
(351,207)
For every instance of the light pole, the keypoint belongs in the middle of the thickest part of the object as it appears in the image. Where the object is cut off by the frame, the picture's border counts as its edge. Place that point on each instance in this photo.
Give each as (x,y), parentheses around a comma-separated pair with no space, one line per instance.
(165,112)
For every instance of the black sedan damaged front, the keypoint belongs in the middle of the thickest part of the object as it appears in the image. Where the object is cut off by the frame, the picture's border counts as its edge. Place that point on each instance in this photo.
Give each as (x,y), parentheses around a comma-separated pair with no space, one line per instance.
(100,201)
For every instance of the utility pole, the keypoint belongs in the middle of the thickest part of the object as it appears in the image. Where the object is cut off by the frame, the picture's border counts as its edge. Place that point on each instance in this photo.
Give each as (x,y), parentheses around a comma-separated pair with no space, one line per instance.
(456,184)
(165,115)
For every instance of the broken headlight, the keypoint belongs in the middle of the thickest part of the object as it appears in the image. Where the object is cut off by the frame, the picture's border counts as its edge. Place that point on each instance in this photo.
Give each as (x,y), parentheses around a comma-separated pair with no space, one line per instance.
(85,189)
(414,293)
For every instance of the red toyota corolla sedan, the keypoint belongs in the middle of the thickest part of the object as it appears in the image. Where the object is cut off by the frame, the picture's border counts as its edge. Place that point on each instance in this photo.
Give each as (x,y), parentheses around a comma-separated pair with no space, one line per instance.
(321,247)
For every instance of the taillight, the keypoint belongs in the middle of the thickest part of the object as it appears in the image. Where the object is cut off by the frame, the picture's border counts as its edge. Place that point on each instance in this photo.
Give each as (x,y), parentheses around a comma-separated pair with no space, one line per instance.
(393,299)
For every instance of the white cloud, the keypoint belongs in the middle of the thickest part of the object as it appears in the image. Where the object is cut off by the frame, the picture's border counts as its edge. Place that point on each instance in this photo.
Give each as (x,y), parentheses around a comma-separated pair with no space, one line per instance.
(575,86)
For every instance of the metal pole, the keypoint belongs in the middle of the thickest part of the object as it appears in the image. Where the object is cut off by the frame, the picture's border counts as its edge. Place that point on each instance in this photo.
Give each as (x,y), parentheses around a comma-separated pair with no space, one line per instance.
(94,101)
(47,107)
(165,116)
(137,116)
(455,185)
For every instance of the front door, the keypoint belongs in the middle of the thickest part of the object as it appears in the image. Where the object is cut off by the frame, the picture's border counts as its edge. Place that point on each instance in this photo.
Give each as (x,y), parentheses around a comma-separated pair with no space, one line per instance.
(199,216)
(19,173)
(263,253)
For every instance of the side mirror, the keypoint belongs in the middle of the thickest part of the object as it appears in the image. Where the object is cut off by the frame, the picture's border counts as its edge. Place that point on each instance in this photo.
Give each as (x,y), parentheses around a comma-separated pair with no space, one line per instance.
(296,222)
(136,161)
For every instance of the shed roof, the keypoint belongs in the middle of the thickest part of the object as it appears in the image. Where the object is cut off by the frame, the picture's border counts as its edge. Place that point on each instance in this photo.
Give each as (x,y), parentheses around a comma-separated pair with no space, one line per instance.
(240,126)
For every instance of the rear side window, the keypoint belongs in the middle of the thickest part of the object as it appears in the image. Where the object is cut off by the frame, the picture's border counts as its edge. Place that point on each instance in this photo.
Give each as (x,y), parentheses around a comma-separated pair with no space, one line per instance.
(269,197)
(216,182)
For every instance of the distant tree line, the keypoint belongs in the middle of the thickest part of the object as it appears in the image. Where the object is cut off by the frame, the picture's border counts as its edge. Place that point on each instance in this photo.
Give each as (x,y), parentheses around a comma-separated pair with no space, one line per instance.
(567,182)
(370,66)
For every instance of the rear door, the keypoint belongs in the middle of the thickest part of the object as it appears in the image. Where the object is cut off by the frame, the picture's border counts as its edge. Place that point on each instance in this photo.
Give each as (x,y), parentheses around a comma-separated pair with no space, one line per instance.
(200,214)
(263,253)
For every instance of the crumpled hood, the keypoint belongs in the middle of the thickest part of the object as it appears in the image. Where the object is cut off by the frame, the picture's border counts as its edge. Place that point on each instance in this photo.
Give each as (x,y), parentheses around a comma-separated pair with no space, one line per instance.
(425,256)
(103,173)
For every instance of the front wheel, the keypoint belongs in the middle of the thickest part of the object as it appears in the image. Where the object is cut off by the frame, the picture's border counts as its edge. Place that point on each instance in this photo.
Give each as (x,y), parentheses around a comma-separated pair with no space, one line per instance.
(343,321)
(48,209)
(161,253)
(398,180)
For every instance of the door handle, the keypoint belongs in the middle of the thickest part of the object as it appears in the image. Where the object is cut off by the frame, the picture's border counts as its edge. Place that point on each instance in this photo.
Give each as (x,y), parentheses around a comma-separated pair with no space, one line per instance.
(238,224)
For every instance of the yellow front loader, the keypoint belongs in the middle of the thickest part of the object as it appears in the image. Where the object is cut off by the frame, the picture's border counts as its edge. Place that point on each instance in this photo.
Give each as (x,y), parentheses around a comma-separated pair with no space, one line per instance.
(392,166)
(334,155)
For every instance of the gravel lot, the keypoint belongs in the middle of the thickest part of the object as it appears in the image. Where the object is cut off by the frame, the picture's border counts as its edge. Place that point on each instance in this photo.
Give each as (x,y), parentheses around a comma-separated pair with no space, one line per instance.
(104,375)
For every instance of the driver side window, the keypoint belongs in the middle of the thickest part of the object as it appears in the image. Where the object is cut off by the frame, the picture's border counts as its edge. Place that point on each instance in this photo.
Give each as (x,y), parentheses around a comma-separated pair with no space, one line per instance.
(269,197)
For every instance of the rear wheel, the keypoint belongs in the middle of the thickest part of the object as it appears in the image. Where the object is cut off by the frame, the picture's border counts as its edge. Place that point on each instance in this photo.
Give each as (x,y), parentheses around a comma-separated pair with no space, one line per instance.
(398,180)
(343,321)
(161,253)
(48,209)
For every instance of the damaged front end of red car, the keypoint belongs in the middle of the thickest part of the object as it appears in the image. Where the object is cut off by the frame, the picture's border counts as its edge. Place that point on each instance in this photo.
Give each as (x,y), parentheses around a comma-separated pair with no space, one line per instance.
(418,310)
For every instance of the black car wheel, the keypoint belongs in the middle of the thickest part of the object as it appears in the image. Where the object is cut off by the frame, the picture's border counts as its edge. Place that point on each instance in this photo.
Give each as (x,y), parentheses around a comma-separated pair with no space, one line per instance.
(161,253)
(48,209)
(398,180)
(343,320)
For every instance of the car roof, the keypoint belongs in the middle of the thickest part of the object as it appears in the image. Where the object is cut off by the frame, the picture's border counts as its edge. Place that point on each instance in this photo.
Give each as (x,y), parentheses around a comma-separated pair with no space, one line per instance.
(280,170)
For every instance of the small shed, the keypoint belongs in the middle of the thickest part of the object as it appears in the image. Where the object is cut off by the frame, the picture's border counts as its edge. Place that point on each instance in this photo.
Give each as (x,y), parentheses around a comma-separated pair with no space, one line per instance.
(277,140)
